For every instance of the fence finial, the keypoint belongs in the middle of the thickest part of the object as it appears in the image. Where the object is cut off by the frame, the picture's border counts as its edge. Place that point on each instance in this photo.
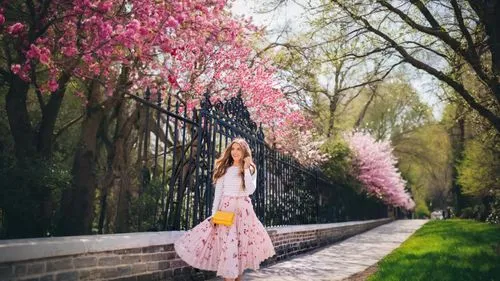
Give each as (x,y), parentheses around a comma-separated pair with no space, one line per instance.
(158,98)
(205,103)
(260,133)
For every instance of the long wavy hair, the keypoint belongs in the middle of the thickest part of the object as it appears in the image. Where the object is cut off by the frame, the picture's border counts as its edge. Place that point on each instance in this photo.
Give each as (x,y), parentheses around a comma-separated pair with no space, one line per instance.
(226,160)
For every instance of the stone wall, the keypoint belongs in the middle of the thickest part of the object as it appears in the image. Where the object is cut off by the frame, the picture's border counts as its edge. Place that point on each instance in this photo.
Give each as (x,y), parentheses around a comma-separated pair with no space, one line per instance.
(144,256)
(293,240)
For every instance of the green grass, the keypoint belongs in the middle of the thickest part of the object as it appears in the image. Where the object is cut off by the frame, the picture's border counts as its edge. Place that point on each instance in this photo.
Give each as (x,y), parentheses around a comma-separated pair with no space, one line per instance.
(445,250)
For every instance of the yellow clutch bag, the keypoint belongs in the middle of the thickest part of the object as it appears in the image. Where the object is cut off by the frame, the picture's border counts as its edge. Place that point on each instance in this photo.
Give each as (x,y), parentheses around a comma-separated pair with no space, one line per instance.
(224,218)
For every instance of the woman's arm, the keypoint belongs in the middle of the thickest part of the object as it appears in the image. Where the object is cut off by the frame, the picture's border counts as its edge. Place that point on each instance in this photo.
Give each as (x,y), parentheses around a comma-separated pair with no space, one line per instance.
(250,181)
(218,192)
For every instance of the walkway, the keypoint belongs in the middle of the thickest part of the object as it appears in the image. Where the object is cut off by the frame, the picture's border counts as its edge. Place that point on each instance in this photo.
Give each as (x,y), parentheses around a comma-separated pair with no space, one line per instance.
(343,259)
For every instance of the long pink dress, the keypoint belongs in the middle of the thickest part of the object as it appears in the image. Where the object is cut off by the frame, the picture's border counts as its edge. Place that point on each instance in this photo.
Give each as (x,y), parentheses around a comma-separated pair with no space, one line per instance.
(229,250)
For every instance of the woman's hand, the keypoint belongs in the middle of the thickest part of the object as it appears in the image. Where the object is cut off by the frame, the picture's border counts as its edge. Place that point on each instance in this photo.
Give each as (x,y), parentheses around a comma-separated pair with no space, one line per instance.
(247,161)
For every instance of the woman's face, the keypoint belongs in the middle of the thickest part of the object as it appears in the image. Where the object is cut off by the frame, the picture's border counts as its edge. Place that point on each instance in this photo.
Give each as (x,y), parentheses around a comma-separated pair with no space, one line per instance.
(237,152)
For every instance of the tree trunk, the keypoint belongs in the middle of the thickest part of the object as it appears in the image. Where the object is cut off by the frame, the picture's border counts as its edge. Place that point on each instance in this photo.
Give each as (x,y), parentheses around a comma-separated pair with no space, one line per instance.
(36,198)
(122,221)
(77,206)
(108,182)
(102,213)
(30,145)
(488,12)
(331,121)
(365,108)
(19,120)
(50,112)
(121,165)
(185,174)
(457,135)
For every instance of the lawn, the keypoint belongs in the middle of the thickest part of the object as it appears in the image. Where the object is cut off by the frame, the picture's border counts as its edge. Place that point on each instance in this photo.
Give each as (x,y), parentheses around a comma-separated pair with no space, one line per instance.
(445,250)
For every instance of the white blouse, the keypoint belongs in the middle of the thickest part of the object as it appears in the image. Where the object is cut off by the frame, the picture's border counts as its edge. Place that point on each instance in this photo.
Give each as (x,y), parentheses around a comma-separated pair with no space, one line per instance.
(230,184)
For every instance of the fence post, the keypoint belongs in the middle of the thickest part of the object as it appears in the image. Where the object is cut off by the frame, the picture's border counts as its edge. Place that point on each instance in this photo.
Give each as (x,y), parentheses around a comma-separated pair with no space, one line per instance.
(206,144)
(317,195)
(261,183)
(198,117)
(158,115)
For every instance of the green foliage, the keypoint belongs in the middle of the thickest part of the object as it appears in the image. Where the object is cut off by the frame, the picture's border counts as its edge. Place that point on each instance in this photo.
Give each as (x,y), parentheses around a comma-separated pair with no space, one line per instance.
(479,176)
(478,173)
(476,212)
(424,161)
(494,216)
(395,111)
(339,166)
(145,211)
(468,213)
(445,250)
(421,210)
(30,194)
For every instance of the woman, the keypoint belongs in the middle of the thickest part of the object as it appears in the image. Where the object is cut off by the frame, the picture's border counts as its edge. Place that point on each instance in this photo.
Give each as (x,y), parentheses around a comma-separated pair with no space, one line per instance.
(229,250)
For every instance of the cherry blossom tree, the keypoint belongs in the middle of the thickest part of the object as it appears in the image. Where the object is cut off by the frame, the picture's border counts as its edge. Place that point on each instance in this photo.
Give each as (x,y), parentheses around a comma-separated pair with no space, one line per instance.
(184,47)
(299,142)
(376,169)
(101,50)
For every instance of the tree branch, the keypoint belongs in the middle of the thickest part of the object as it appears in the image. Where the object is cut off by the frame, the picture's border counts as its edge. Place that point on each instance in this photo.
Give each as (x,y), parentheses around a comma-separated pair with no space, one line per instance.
(372,81)
(439,32)
(459,88)
(461,25)
(359,56)
(427,48)
(67,125)
(427,14)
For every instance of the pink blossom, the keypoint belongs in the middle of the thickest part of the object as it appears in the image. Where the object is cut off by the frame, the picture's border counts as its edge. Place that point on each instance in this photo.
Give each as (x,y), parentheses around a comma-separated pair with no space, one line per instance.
(105,6)
(377,169)
(15,68)
(69,51)
(33,52)
(172,22)
(24,72)
(53,85)
(44,55)
(2,19)
(15,29)
(87,58)
(143,31)
(133,26)
(180,17)
(42,40)
(41,53)
(172,80)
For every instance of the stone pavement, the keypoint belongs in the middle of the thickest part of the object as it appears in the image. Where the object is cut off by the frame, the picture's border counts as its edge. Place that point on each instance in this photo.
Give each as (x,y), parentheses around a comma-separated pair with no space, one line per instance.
(341,260)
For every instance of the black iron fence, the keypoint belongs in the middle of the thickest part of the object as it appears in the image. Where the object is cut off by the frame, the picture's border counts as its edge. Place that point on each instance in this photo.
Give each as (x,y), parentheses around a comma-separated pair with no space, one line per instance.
(178,149)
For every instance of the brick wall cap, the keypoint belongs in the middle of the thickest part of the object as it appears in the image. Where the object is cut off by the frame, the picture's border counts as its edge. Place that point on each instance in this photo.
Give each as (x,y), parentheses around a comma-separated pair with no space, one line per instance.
(311,227)
(36,248)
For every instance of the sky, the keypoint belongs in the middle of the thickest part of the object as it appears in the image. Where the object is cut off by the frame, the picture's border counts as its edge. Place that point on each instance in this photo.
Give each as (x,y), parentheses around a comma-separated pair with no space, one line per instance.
(274,19)
(292,15)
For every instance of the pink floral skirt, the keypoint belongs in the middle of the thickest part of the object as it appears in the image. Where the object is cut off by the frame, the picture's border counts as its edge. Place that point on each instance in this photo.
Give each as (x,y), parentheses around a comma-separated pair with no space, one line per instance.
(229,250)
